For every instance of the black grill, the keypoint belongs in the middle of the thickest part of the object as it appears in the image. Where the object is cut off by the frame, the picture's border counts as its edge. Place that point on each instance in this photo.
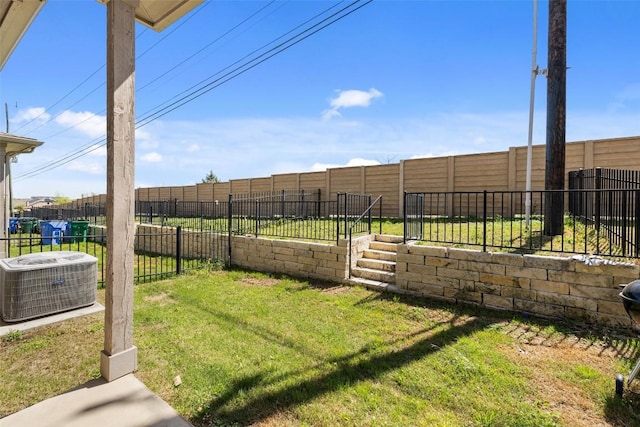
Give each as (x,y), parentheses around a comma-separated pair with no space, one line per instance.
(630,295)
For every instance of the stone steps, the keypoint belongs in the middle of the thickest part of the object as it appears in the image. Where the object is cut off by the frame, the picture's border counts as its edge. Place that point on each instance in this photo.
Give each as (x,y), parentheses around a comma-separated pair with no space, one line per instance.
(376,269)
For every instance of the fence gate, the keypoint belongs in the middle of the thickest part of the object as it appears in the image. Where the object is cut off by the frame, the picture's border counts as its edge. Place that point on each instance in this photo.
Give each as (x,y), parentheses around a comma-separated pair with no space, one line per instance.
(413,216)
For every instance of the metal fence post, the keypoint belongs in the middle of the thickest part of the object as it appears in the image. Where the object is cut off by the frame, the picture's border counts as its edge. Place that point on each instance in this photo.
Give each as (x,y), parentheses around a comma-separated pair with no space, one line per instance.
(346,214)
(636,226)
(178,249)
(598,197)
(624,236)
(484,221)
(370,215)
(404,219)
(257,217)
(338,219)
(229,224)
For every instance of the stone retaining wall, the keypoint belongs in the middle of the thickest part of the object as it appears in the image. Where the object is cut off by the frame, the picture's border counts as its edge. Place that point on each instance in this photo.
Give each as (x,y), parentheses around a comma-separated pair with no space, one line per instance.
(554,287)
(301,259)
(577,288)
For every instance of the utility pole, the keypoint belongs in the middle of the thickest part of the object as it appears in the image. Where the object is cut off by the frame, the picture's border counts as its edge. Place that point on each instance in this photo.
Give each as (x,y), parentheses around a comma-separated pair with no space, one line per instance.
(556,118)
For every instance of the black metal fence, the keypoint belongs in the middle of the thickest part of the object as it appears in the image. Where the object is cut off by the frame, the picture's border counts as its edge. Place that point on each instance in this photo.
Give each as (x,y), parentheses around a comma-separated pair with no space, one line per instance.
(413,216)
(603,222)
(159,254)
(612,207)
(194,234)
(282,214)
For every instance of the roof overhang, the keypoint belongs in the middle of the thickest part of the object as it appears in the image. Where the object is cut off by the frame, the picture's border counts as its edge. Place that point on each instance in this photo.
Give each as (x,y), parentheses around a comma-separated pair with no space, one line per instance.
(159,14)
(18,144)
(15,18)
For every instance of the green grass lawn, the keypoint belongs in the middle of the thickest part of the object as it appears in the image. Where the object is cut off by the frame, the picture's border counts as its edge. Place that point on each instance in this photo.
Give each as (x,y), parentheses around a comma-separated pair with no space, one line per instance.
(255,349)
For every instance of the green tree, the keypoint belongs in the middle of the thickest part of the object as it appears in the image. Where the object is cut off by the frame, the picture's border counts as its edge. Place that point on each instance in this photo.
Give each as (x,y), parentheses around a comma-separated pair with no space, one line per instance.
(59,199)
(210,178)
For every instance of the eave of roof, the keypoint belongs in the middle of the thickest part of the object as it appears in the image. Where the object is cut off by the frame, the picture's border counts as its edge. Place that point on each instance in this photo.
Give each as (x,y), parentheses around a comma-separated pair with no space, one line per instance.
(18,144)
(158,15)
(15,18)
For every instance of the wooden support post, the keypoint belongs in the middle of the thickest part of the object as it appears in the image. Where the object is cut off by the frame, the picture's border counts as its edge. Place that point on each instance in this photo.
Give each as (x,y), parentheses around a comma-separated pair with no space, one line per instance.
(4,209)
(119,356)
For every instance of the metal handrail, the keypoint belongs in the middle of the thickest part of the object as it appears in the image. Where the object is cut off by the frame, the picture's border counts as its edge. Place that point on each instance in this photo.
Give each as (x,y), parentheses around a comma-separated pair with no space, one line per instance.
(357,221)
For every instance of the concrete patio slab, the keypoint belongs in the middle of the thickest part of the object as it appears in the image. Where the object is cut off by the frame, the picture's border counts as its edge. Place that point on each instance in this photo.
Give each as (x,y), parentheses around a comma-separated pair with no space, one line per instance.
(125,402)
(5,327)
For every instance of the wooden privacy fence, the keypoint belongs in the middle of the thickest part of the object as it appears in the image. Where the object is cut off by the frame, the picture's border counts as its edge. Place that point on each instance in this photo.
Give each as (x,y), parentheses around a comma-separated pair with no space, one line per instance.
(497,171)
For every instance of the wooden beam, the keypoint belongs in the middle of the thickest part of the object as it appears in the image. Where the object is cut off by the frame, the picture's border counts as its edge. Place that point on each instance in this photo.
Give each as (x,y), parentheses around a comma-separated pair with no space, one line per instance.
(4,209)
(119,356)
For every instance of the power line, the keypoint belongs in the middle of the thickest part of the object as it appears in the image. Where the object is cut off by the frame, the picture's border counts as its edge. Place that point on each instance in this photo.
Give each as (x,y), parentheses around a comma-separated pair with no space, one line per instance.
(241,68)
(84,147)
(195,94)
(173,29)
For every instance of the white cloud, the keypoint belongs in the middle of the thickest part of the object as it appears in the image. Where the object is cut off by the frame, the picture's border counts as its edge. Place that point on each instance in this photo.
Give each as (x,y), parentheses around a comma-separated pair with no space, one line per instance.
(97,150)
(36,114)
(348,99)
(318,167)
(193,148)
(152,157)
(88,123)
(92,168)
(329,114)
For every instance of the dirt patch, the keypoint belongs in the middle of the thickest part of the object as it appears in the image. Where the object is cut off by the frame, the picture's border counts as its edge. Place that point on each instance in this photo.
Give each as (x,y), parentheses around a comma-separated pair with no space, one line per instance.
(160,299)
(253,281)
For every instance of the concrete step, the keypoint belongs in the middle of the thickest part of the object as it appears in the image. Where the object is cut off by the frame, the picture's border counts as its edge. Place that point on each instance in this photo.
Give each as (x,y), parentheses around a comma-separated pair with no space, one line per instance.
(384,255)
(376,275)
(371,284)
(377,264)
(388,238)
(383,246)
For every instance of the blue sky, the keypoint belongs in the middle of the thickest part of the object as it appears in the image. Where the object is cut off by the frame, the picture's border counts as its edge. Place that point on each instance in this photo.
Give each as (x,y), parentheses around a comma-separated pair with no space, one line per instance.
(393,80)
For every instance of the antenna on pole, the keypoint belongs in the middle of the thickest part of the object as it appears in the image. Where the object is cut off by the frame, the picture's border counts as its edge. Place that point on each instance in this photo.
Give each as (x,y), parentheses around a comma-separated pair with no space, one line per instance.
(535,70)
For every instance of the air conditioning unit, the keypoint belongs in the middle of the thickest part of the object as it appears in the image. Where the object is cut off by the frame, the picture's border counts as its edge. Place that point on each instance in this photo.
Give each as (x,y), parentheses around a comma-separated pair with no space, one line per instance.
(41,284)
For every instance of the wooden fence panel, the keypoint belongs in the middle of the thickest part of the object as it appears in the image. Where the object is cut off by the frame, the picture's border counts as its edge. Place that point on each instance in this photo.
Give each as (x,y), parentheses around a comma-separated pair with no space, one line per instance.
(164,193)
(314,181)
(239,186)
(287,182)
(205,191)
(617,154)
(426,174)
(501,171)
(221,191)
(190,194)
(384,180)
(478,172)
(537,168)
(261,185)
(345,180)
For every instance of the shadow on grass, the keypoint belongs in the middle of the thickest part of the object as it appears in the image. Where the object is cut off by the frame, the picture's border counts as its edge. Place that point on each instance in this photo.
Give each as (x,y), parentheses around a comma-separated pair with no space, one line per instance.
(623,412)
(347,371)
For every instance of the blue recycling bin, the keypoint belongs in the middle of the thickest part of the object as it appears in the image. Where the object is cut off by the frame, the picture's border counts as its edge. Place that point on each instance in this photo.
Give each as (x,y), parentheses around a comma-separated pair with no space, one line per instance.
(13,225)
(52,232)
